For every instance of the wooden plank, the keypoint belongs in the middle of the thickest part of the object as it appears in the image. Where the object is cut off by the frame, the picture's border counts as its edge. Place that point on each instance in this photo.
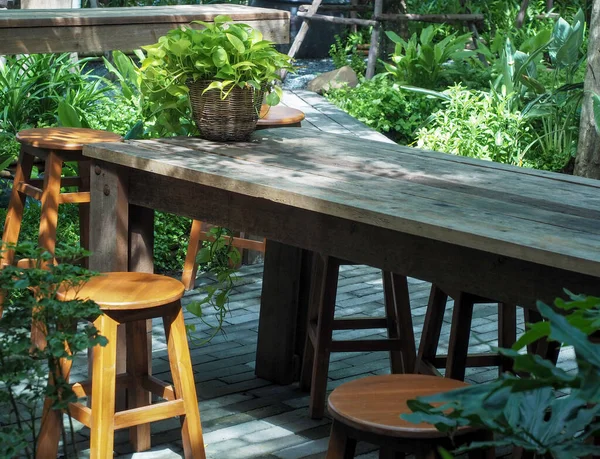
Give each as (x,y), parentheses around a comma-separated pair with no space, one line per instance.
(354,126)
(567,216)
(503,278)
(134,15)
(374,200)
(100,38)
(313,159)
(314,117)
(104,29)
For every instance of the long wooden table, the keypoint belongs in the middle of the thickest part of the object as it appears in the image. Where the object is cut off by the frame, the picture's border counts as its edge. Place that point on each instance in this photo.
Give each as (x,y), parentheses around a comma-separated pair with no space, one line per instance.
(104,29)
(512,234)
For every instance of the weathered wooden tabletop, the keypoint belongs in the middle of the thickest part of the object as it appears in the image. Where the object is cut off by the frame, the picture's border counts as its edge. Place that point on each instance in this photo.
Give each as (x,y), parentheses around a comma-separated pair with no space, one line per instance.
(512,234)
(103,29)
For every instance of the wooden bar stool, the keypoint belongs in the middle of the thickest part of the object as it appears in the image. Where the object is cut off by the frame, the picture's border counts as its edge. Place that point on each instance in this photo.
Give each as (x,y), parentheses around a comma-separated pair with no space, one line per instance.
(321,323)
(369,409)
(279,116)
(131,298)
(458,358)
(270,117)
(55,146)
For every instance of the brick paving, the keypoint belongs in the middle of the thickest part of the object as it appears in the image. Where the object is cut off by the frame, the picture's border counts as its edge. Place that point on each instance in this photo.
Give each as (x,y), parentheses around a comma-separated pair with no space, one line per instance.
(247,417)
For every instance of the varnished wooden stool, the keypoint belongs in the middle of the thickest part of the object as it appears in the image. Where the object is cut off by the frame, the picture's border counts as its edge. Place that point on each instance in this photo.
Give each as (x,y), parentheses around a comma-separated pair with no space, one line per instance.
(321,324)
(369,409)
(131,298)
(458,358)
(279,116)
(270,117)
(55,146)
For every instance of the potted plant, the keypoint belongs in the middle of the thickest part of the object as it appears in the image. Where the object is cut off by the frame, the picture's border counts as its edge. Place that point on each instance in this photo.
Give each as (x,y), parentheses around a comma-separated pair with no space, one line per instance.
(224,68)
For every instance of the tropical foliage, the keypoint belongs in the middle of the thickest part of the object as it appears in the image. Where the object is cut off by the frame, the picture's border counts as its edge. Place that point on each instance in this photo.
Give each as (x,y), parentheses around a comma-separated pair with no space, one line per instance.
(525,411)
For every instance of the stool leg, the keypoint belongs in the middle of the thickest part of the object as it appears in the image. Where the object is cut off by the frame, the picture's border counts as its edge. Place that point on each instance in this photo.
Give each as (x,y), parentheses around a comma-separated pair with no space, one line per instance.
(399,317)
(432,329)
(16,205)
(544,348)
(341,446)
(458,346)
(507,332)
(314,302)
(104,374)
(49,201)
(84,207)
(137,368)
(190,267)
(324,332)
(51,423)
(183,381)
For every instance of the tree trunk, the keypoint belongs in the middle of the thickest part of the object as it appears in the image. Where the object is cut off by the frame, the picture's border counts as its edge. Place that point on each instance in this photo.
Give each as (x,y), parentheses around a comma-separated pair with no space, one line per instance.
(587,163)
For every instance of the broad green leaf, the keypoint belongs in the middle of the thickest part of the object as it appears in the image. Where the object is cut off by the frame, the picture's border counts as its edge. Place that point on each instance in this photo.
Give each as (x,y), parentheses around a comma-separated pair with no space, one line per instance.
(596,110)
(68,116)
(272,98)
(136,132)
(180,47)
(236,42)
(426,35)
(220,57)
(394,37)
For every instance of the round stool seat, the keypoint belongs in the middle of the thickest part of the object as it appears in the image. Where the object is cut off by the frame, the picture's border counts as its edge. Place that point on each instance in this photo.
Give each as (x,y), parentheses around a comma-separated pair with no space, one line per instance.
(278,115)
(63,138)
(374,404)
(127,290)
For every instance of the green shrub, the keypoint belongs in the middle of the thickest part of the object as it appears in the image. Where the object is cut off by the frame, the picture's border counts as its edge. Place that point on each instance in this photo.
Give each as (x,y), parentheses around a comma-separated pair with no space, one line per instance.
(116,116)
(421,60)
(383,106)
(477,124)
(345,52)
(171,236)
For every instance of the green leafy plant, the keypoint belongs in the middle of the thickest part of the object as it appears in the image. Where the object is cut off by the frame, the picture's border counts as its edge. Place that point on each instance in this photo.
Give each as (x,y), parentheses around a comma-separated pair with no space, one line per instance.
(219,260)
(228,53)
(381,105)
(346,51)
(30,295)
(477,124)
(31,87)
(524,411)
(420,61)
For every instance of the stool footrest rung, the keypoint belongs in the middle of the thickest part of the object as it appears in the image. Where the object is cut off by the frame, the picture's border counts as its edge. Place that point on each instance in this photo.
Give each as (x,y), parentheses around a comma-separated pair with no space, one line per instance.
(74,198)
(366,345)
(158,387)
(71,198)
(238,242)
(134,416)
(81,413)
(150,413)
(64,181)
(362,323)
(84,388)
(29,190)
(473,360)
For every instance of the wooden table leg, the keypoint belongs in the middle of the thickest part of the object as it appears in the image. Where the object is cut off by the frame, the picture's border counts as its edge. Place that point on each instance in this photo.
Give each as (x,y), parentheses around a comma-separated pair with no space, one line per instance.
(109,236)
(109,218)
(276,358)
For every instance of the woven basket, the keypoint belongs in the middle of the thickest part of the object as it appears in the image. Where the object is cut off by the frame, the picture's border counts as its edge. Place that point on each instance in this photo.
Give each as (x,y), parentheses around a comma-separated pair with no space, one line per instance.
(231,119)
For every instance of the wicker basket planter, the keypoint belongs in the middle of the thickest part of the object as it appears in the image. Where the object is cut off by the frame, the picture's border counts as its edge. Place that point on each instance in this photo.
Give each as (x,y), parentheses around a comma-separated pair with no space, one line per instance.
(231,119)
